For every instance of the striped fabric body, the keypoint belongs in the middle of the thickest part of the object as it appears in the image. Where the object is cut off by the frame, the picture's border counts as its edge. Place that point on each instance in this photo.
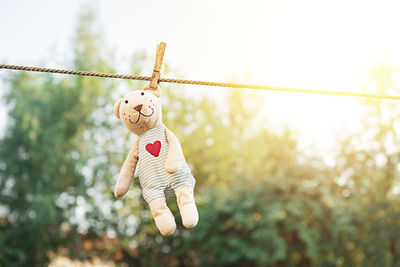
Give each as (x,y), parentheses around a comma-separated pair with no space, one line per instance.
(155,181)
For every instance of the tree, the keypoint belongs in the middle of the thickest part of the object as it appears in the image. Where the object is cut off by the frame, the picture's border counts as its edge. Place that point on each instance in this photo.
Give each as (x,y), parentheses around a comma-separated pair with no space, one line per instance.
(369,163)
(258,205)
(45,153)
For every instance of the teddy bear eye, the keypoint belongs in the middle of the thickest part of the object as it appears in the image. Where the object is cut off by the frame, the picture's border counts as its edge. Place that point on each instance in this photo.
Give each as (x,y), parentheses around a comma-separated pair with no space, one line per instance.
(126,101)
(142,93)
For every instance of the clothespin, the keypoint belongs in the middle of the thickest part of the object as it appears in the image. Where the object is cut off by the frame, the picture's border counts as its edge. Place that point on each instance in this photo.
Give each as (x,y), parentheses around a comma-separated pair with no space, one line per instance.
(157,65)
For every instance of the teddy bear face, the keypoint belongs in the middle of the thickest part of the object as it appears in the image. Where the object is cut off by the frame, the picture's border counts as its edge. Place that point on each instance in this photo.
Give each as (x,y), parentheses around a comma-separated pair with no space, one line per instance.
(139,111)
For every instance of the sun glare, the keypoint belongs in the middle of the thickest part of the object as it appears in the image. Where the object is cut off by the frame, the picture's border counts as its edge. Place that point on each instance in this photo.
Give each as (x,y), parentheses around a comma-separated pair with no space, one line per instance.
(316,45)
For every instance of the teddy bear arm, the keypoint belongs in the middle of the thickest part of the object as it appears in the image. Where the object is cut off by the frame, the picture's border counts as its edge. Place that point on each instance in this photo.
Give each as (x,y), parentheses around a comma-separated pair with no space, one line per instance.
(175,154)
(127,171)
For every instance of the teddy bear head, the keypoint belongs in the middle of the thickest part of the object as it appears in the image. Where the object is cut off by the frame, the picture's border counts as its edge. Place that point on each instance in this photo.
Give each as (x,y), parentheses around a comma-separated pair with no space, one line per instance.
(140,110)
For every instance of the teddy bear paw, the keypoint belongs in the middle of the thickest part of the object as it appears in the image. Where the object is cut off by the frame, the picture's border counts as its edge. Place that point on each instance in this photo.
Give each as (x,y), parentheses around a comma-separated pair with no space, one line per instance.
(165,224)
(190,216)
(171,169)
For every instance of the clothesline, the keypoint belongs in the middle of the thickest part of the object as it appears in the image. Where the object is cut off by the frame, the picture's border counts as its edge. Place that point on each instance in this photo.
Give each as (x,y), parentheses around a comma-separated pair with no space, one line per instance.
(194,82)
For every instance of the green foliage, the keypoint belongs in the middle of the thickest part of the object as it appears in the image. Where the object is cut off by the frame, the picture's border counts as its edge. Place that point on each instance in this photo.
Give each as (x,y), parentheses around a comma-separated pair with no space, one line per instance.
(369,164)
(270,210)
(43,156)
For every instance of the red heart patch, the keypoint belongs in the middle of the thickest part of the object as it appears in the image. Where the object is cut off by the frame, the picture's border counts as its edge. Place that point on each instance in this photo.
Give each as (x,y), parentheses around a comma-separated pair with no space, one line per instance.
(154,148)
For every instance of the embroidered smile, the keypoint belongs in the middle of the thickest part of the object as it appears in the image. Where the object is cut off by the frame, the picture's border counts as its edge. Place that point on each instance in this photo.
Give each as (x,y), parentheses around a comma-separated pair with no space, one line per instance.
(144,115)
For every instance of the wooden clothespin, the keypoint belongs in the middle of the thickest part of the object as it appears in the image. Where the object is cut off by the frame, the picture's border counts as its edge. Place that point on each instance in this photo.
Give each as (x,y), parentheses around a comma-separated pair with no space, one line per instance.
(157,65)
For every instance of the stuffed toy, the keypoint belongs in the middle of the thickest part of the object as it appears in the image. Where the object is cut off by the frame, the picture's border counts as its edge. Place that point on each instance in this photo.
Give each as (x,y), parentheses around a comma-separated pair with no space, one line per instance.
(158,155)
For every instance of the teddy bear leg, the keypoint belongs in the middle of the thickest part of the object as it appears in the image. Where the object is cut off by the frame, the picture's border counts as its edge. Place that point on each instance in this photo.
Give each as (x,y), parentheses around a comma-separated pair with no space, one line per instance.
(187,206)
(162,215)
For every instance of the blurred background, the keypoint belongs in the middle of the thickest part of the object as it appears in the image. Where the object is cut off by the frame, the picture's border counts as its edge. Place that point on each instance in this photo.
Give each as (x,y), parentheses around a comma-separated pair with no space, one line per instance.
(283,179)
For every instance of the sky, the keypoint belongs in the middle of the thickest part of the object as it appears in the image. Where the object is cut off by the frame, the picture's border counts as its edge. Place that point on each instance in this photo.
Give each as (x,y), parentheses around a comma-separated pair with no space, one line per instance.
(329,45)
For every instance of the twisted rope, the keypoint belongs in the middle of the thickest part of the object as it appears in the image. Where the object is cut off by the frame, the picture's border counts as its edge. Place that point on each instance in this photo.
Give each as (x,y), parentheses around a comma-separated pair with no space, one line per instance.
(194,82)
(75,72)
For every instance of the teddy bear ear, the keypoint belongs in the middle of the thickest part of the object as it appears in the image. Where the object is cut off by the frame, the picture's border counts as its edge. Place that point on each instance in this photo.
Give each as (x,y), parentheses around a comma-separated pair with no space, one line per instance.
(156,92)
(116,108)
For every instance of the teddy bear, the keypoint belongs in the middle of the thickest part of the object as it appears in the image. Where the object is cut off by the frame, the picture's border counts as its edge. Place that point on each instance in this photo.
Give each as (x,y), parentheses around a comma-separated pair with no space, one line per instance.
(158,156)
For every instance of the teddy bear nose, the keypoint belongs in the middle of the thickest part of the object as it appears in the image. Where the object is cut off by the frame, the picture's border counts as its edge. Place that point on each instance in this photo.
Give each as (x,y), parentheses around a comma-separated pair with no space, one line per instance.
(138,107)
